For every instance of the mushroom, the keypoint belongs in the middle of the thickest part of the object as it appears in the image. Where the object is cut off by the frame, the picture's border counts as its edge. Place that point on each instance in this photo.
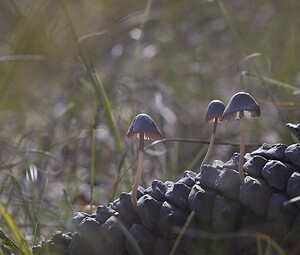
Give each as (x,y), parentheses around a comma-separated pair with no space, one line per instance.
(213,114)
(144,128)
(295,128)
(239,103)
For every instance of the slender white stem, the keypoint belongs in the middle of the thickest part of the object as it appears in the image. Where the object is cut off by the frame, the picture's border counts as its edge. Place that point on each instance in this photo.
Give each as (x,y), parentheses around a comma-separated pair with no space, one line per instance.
(137,179)
(242,148)
(138,175)
(212,140)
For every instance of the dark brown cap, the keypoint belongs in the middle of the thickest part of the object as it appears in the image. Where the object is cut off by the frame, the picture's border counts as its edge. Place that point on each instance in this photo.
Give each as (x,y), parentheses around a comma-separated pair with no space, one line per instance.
(295,128)
(143,123)
(241,101)
(214,110)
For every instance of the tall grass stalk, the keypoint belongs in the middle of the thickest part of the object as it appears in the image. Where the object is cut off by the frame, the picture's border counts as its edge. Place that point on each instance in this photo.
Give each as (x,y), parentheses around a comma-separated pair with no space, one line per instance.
(100,92)
(39,214)
(115,133)
(23,202)
(186,140)
(232,26)
(20,242)
(189,140)
(271,81)
(9,244)
(93,148)
(259,246)
(265,80)
(142,26)
(96,82)
(130,239)
(182,231)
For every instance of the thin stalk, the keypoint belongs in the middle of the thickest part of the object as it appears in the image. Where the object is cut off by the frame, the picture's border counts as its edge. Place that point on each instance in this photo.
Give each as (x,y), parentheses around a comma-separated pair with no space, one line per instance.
(265,80)
(20,242)
(182,231)
(108,110)
(259,246)
(100,92)
(92,174)
(95,80)
(269,80)
(39,214)
(142,26)
(185,140)
(138,175)
(28,211)
(9,244)
(130,238)
(105,101)
(231,25)
(242,148)
(93,149)
(212,140)
(189,140)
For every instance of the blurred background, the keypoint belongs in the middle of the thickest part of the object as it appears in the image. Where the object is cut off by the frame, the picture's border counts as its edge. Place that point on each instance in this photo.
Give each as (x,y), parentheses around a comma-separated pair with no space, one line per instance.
(165,58)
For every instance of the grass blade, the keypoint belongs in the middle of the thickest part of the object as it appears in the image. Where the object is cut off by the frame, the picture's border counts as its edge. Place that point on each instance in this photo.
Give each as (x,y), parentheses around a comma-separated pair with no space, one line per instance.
(142,27)
(108,110)
(96,82)
(265,80)
(39,215)
(259,246)
(28,211)
(130,239)
(99,90)
(182,231)
(9,244)
(92,174)
(21,244)
(269,80)
(270,244)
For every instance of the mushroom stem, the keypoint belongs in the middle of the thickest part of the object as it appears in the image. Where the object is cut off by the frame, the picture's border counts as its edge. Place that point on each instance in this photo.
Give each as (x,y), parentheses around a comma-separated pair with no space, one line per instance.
(211,143)
(242,147)
(138,175)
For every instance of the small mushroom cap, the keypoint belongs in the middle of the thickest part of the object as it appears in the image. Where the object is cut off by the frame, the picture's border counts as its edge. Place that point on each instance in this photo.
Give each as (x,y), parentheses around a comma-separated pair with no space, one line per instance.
(214,110)
(241,101)
(143,123)
(295,128)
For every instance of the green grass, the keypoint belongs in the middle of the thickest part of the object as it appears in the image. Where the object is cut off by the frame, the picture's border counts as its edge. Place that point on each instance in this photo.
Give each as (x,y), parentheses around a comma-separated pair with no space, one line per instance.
(72,76)
(20,247)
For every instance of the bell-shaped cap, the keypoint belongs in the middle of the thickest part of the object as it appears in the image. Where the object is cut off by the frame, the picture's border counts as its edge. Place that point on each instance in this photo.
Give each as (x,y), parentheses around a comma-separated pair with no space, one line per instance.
(295,128)
(214,110)
(238,103)
(143,123)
